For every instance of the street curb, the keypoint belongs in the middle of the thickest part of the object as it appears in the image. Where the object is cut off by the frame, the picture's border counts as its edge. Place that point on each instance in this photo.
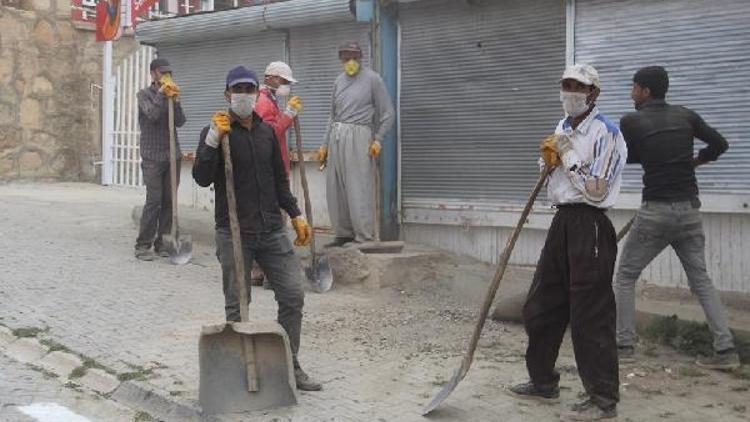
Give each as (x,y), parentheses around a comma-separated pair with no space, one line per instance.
(156,402)
(134,394)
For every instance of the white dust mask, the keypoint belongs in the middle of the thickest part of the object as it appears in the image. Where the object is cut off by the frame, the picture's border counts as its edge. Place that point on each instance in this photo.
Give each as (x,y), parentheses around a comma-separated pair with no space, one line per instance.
(574,103)
(243,104)
(283,90)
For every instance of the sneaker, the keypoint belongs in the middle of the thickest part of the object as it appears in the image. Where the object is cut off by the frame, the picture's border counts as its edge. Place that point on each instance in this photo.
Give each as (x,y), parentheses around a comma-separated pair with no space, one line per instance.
(528,390)
(626,354)
(589,411)
(339,241)
(725,360)
(304,382)
(144,254)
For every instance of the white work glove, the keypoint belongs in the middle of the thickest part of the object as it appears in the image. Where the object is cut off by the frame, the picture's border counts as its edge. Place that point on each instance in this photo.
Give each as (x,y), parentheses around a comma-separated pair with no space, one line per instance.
(567,153)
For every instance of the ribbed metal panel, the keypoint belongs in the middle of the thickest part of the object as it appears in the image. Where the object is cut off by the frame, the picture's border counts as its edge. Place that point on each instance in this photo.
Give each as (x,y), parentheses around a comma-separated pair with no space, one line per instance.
(705,46)
(315,63)
(201,70)
(243,21)
(479,90)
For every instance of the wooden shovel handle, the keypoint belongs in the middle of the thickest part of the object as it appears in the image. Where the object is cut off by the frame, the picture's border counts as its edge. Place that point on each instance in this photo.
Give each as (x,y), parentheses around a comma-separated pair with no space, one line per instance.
(305,187)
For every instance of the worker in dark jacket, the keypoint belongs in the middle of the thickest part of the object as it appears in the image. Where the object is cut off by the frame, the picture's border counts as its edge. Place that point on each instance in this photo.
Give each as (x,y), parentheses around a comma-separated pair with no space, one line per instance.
(262,189)
(153,119)
(660,138)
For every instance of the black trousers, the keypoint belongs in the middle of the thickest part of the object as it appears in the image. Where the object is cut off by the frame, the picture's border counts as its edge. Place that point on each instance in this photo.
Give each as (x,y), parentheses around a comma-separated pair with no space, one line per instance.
(573,284)
(156,219)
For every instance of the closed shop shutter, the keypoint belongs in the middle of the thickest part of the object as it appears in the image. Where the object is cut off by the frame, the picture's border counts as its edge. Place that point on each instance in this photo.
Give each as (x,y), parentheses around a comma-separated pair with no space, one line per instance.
(479,90)
(315,63)
(201,70)
(705,46)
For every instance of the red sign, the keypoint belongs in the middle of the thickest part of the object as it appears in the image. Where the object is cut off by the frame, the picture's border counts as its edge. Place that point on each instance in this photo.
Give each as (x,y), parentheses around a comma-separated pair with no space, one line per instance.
(140,8)
(108,14)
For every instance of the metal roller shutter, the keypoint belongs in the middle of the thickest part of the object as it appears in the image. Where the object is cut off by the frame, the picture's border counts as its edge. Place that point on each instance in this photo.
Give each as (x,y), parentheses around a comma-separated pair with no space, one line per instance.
(705,46)
(479,90)
(201,69)
(315,63)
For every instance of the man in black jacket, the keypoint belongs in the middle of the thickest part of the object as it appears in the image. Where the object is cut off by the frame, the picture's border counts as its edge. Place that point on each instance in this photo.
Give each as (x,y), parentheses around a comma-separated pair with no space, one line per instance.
(261,187)
(660,138)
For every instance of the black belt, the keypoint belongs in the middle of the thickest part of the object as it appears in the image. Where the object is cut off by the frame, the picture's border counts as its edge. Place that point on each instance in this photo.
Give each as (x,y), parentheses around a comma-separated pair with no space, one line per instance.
(578,206)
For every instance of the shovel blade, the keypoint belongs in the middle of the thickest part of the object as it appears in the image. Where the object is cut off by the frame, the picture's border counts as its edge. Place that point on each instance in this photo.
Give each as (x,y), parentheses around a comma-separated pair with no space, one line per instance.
(444,392)
(223,368)
(180,249)
(319,275)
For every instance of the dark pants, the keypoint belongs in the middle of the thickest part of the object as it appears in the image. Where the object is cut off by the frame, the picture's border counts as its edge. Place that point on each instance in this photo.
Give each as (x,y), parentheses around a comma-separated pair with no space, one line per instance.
(275,254)
(156,219)
(573,284)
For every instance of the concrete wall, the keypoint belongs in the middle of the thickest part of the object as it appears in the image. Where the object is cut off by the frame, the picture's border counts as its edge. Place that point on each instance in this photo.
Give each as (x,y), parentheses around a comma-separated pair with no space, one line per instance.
(49,110)
(727,243)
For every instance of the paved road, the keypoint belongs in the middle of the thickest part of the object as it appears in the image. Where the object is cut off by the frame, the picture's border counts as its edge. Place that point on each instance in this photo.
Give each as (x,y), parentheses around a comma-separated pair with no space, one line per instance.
(66,255)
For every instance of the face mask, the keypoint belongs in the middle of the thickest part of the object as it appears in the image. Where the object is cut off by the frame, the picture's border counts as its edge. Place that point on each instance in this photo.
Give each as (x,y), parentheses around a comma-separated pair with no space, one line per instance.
(243,104)
(574,103)
(351,67)
(283,90)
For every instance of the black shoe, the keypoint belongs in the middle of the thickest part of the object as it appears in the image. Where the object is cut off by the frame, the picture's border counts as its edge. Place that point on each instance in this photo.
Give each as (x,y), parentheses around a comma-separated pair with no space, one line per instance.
(528,390)
(339,241)
(589,411)
(162,252)
(304,382)
(725,360)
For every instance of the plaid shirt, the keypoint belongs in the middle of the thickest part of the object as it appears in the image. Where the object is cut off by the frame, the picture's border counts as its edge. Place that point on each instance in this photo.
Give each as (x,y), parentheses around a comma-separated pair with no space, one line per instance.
(153,119)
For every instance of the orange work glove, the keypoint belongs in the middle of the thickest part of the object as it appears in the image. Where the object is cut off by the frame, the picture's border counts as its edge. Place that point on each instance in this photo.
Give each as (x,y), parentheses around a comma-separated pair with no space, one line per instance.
(323,153)
(375,148)
(169,87)
(548,149)
(303,230)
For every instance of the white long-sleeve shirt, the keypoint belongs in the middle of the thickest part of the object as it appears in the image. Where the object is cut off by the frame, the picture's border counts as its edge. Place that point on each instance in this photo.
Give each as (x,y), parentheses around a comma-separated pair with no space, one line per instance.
(602,151)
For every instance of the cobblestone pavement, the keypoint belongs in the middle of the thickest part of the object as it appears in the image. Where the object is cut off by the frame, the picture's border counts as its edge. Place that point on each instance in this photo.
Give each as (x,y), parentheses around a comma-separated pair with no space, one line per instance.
(23,386)
(66,255)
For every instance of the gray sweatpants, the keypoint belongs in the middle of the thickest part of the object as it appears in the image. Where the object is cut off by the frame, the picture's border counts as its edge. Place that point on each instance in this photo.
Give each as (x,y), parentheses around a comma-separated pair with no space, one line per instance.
(658,225)
(275,254)
(349,182)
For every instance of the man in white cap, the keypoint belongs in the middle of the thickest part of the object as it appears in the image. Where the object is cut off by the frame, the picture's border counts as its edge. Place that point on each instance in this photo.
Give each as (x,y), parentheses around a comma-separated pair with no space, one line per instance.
(361,115)
(276,83)
(573,279)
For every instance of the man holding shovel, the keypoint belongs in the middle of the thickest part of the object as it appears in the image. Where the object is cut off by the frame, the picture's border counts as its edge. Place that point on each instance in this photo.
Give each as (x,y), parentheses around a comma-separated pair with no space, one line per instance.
(361,115)
(261,189)
(573,279)
(660,138)
(153,120)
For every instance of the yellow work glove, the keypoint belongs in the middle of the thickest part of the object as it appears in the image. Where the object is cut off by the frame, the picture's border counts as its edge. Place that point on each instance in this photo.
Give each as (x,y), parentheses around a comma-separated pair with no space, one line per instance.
(221,123)
(374,150)
(322,153)
(294,104)
(169,87)
(548,149)
(304,232)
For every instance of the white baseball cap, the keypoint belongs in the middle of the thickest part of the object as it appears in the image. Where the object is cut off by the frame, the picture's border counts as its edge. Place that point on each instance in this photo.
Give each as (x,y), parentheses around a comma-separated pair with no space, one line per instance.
(583,73)
(280,69)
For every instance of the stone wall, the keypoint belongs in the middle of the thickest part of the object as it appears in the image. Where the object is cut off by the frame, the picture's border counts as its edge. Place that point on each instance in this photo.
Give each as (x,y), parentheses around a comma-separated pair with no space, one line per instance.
(49,101)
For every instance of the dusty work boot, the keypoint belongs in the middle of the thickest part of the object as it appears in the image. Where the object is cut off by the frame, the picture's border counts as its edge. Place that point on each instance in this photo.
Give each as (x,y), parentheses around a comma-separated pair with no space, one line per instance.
(161,252)
(339,241)
(626,354)
(725,360)
(144,254)
(304,382)
(589,411)
(528,390)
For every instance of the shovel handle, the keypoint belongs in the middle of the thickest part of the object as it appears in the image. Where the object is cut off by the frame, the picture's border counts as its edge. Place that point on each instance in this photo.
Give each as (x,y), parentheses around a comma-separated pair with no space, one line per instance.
(502,265)
(173,170)
(234,228)
(305,187)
